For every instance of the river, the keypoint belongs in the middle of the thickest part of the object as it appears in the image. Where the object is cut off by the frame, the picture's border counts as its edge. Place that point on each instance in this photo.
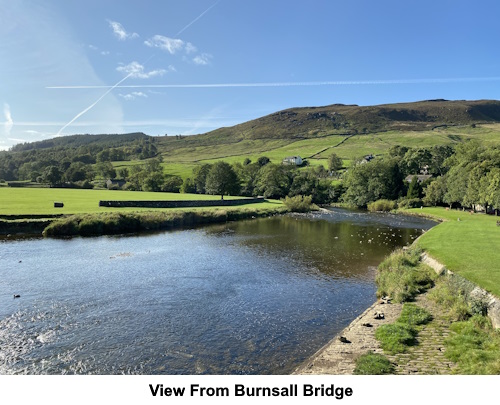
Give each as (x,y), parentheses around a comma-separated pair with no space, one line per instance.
(249,297)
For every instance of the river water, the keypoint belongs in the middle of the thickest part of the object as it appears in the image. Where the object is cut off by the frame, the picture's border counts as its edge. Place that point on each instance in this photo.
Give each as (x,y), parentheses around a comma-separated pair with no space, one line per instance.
(248,297)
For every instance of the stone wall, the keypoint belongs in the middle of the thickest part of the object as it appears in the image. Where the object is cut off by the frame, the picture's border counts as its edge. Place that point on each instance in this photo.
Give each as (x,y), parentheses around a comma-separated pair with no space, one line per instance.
(181,203)
(493,303)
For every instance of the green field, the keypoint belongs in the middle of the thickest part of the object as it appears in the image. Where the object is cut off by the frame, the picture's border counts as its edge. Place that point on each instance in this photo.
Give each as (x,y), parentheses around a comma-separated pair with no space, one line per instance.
(468,247)
(40,201)
(182,160)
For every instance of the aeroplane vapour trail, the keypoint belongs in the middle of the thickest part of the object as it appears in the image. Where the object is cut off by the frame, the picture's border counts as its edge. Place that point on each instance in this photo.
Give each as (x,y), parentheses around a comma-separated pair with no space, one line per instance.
(117,85)
(197,18)
(290,84)
(93,104)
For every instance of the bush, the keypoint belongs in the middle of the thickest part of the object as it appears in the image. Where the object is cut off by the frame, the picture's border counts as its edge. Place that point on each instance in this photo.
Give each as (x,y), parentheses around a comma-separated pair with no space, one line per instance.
(373,364)
(299,203)
(381,205)
(410,203)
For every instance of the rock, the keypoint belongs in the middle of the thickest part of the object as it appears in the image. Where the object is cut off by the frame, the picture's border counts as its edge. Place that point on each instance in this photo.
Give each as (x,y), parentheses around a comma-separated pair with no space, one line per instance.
(343,339)
(368,325)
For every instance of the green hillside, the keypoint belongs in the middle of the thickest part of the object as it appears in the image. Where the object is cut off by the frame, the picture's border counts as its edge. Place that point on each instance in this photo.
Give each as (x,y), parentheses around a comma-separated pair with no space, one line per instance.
(314,133)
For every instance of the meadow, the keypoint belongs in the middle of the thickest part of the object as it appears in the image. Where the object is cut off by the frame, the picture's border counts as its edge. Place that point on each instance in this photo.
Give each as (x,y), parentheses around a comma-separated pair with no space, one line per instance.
(40,201)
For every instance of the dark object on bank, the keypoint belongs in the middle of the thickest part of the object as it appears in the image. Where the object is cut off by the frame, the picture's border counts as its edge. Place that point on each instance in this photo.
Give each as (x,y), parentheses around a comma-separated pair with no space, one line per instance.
(379,315)
(58,204)
(368,325)
(344,339)
(17,296)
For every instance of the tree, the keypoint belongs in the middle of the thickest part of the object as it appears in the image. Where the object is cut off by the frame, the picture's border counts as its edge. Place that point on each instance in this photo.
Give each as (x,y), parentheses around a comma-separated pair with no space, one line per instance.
(273,181)
(414,190)
(263,160)
(200,177)
(53,175)
(435,191)
(221,179)
(334,163)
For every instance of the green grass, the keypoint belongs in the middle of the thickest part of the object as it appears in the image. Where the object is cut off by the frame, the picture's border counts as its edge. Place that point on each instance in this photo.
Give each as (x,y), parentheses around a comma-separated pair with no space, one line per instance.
(474,346)
(401,276)
(414,315)
(397,337)
(468,247)
(40,201)
(373,364)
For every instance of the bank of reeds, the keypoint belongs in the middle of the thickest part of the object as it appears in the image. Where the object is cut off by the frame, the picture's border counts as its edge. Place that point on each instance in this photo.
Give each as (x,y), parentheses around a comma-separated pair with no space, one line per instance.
(132,222)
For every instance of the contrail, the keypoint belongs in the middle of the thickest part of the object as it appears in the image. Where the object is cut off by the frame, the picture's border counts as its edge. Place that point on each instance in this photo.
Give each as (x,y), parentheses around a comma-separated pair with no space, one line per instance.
(289,84)
(197,18)
(117,85)
(93,104)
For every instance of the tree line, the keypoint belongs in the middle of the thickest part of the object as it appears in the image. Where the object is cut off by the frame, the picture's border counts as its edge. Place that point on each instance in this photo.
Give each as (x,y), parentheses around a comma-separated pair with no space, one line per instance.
(466,175)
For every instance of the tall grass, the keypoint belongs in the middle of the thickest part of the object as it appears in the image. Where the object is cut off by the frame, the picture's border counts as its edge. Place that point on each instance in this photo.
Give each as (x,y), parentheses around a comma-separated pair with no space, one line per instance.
(130,222)
(401,276)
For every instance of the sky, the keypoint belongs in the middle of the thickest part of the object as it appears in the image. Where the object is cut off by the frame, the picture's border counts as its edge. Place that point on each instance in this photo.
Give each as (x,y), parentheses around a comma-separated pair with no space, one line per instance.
(188,67)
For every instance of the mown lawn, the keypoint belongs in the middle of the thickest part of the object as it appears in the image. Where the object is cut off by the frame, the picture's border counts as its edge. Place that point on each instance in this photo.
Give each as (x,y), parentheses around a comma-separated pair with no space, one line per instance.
(40,201)
(467,244)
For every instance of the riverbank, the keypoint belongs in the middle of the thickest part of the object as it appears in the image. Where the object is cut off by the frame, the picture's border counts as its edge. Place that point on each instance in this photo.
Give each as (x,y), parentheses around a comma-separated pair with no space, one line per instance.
(130,222)
(459,328)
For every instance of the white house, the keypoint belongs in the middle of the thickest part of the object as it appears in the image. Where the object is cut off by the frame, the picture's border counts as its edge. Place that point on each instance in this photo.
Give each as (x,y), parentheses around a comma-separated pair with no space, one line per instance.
(292,160)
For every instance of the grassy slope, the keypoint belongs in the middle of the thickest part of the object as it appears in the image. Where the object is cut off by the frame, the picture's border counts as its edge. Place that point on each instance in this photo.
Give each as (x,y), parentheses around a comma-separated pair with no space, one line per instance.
(183,159)
(40,201)
(468,247)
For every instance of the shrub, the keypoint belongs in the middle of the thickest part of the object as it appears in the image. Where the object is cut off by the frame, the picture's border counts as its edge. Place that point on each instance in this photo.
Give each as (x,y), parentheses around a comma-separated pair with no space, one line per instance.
(373,364)
(410,203)
(381,205)
(299,203)
(396,337)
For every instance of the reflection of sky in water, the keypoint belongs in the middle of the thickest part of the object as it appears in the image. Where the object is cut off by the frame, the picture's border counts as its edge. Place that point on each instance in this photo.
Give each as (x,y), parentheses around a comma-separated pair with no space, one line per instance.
(244,297)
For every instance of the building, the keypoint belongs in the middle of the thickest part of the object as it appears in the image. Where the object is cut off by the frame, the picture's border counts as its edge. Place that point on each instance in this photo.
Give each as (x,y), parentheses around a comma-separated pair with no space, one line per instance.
(292,160)
(114,184)
(420,177)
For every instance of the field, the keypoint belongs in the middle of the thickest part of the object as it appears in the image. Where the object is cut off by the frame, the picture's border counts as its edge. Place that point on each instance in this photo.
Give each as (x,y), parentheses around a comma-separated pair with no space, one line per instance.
(40,201)
(181,161)
(466,244)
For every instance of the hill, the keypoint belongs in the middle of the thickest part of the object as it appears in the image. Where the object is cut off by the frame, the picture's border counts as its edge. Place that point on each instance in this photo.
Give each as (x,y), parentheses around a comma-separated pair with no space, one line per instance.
(311,132)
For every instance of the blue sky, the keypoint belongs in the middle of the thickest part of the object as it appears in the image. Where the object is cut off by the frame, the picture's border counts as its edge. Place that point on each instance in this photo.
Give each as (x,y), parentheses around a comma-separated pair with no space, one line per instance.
(187,67)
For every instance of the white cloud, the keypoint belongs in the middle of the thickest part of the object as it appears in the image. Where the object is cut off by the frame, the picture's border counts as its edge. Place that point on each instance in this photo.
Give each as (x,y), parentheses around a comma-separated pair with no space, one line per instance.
(104,53)
(9,123)
(190,48)
(120,32)
(133,95)
(167,44)
(203,59)
(136,70)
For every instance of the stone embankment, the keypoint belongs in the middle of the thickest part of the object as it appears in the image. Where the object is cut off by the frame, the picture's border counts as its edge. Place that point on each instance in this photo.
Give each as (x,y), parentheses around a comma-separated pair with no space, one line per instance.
(427,357)
(181,203)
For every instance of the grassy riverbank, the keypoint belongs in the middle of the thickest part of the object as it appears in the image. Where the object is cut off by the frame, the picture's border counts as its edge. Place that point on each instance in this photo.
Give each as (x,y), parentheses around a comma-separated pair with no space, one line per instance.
(131,222)
(32,211)
(465,243)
